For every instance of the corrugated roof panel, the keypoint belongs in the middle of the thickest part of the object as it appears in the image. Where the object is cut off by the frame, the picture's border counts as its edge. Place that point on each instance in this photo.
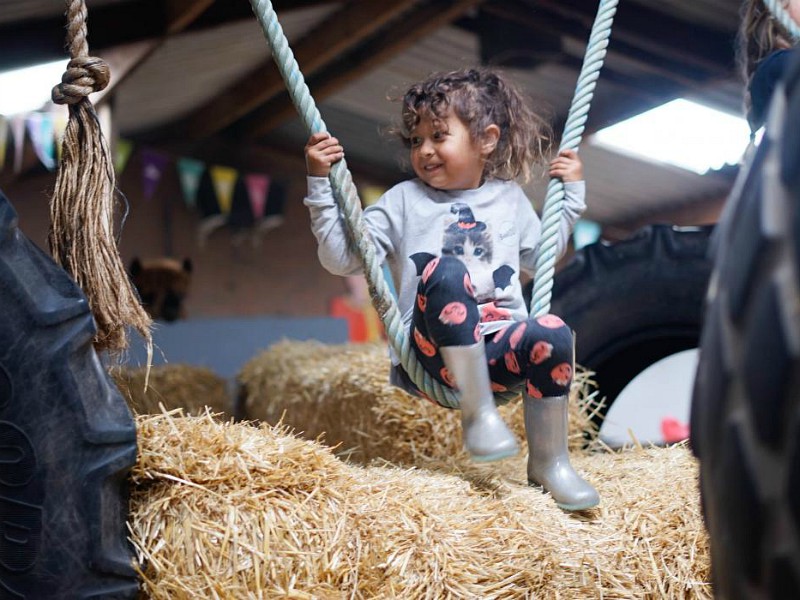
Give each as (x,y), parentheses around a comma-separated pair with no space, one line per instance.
(719,14)
(189,69)
(21,10)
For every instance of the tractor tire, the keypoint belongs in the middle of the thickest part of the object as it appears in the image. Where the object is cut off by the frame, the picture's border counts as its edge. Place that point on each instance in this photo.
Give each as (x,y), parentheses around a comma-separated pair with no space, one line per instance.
(745,420)
(634,302)
(67,438)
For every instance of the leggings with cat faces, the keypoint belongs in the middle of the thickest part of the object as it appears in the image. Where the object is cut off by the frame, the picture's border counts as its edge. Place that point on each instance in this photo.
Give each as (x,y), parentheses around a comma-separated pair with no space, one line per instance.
(536,353)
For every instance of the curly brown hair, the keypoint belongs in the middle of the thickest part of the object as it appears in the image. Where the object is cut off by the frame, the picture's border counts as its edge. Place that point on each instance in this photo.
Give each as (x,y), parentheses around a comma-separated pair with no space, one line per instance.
(481,97)
(760,33)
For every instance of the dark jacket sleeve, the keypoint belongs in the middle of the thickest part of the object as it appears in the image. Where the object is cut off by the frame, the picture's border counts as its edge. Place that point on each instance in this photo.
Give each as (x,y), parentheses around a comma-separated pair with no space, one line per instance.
(766,76)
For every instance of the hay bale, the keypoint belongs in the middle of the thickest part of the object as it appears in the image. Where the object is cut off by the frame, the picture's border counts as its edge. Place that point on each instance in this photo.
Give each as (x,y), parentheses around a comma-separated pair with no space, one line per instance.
(227,510)
(341,393)
(193,389)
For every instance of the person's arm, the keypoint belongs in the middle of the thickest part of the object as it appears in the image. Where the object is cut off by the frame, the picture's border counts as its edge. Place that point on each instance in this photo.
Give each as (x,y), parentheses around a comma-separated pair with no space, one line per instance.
(327,223)
(569,167)
(762,84)
(328,227)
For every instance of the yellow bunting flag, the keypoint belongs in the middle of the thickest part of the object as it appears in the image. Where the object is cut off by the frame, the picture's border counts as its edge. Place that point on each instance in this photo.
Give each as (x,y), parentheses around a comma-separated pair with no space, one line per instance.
(224,180)
(60,116)
(371,193)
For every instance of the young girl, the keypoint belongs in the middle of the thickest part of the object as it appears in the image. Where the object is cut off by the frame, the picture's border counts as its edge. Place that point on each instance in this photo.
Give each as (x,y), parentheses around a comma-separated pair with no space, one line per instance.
(763,52)
(455,239)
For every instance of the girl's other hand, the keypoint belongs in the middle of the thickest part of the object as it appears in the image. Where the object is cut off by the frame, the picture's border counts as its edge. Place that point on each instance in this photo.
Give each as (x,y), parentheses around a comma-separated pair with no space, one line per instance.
(567,166)
(322,150)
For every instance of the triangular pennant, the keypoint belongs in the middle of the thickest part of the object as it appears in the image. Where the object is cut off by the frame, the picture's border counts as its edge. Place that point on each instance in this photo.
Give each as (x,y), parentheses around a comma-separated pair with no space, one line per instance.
(40,129)
(257,189)
(60,120)
(370,194)
(189,172)
(3,140)
(122,152)
(224,179)
(18,131)
(153,165)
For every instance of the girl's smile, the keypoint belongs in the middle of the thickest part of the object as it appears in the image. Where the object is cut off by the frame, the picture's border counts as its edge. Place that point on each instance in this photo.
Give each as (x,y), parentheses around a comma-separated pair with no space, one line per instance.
(444,155)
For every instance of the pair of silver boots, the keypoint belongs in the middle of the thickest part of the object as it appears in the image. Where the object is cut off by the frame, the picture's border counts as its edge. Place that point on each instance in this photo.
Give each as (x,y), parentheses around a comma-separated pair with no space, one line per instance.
(487,437)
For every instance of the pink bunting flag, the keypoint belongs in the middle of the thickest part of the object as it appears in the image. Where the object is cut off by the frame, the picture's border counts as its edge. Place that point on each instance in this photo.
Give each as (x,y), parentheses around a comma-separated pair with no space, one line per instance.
(257,190)
(224,180)
(153,165)
(40,130)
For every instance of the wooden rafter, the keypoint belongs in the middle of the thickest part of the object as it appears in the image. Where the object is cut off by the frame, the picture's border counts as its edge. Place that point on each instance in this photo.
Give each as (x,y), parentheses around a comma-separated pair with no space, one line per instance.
(123,60)
(40,40)
(180,14)
(420,22)
(340,32)
(656,32)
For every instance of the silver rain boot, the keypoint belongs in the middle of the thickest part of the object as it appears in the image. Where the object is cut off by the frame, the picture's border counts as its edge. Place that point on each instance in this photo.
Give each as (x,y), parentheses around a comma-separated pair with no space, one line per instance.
(486,436)
(548,458)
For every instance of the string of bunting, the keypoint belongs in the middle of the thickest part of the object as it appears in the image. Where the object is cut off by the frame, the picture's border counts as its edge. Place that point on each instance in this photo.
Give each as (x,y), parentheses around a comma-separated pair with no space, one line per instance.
(221,194)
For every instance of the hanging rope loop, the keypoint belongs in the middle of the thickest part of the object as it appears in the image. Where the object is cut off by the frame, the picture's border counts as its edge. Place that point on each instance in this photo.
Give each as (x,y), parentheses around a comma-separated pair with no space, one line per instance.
(84,76)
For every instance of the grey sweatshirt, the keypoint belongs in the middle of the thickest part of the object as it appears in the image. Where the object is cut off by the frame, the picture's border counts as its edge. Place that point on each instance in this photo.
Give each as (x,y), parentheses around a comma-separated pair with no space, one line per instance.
(502,228)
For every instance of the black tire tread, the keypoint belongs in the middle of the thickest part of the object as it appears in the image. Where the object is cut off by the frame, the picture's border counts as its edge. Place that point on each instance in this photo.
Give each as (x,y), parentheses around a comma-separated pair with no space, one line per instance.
(72,427)
(634,301)
(745,424)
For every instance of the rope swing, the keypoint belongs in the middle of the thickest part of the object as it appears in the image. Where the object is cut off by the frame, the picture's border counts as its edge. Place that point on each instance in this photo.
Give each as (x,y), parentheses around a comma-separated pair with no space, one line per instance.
(782,16)
(350,205)
(81,236)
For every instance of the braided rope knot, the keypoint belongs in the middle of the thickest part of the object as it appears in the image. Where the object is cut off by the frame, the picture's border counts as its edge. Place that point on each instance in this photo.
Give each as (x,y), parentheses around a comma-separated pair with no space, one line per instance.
(84,75)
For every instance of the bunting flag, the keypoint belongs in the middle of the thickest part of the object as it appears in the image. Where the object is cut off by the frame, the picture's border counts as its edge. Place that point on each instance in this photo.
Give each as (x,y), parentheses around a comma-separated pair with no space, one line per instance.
(122,152)
(153,165)
(224,180)
(370,194)
(257,190)
(18,131)
(3,140)
(189,173)
(60,120)
(585,232)
(40,130)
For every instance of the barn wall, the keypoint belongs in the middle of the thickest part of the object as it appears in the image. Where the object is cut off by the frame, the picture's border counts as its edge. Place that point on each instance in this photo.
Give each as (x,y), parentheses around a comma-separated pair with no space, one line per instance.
(281,277)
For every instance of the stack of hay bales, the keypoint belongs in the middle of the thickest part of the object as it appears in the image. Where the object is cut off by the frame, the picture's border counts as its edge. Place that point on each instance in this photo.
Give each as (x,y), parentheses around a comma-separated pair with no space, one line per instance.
(193,389)
(231,511)
(342,393)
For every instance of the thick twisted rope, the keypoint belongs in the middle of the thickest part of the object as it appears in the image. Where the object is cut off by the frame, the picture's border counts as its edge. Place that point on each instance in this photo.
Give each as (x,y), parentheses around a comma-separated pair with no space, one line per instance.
(350,206)
(570,140)
(81,237)
(782,16)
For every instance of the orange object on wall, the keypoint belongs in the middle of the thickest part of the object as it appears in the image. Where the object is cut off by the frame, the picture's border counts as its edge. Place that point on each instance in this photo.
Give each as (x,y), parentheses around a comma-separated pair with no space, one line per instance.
(363,322)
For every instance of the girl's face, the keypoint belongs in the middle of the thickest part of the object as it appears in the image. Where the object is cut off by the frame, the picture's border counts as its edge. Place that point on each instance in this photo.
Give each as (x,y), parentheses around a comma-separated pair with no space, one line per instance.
(444,155)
